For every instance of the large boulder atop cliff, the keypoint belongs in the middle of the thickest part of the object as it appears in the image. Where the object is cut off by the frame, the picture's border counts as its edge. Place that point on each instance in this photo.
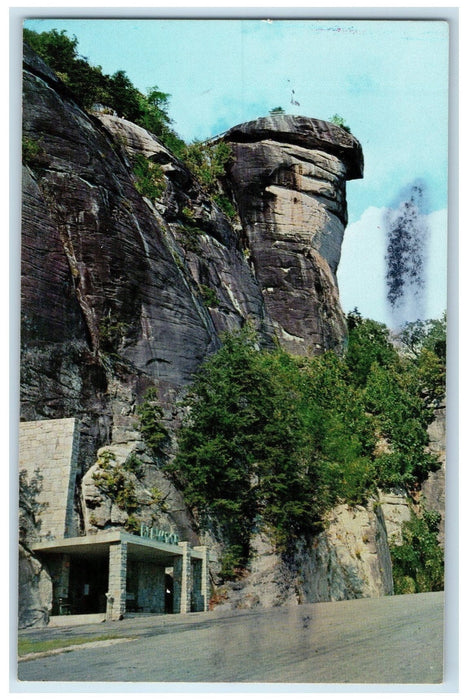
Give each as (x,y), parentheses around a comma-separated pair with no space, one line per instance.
(313,134)
(288,178)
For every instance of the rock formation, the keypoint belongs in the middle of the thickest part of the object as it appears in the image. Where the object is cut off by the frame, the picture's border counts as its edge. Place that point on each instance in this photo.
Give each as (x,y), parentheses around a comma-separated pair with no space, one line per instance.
(120,293)
(288,178)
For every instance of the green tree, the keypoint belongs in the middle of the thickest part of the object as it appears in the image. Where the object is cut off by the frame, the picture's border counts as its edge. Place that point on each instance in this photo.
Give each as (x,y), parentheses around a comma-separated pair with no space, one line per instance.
(418,562)
(150,422)
(271,441)
(208,162)
(401,418)
(368,344)
(424,342)
(87,83)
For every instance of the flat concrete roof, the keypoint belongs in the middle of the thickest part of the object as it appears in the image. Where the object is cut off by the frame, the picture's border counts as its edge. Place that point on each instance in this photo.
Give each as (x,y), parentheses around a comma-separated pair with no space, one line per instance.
(138,548)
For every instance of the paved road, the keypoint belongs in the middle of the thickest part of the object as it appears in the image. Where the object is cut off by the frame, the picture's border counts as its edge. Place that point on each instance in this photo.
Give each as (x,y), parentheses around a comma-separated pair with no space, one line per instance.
(396,639)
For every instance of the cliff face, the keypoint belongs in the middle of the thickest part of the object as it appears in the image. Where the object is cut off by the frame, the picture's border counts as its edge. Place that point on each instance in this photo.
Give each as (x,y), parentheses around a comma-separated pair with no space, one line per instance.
(289,177)
(114,285)
(120,293)
(111,284)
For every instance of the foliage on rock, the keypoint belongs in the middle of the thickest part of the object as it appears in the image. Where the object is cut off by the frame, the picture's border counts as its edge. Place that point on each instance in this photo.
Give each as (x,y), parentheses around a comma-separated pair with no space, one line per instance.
(114,480)
(149,176)
(150,415)
(274,441)
(208,162)
(418,563)
(115,93)
(339,121)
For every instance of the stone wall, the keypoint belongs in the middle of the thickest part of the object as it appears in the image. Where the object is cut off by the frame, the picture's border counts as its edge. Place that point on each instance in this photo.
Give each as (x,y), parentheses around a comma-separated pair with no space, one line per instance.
(49,449)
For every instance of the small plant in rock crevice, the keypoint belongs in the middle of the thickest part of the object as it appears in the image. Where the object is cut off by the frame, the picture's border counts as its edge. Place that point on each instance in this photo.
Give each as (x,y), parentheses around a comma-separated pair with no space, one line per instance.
(33,153)
(150,422)
(150,181)
(113,480)
(209,296)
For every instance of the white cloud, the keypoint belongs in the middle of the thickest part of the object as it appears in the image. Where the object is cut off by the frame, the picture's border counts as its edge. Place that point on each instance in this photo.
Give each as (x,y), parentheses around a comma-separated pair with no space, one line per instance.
(361,273)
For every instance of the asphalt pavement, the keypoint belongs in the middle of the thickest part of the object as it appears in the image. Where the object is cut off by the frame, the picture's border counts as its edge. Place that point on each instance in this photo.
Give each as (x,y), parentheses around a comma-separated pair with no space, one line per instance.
(391,640)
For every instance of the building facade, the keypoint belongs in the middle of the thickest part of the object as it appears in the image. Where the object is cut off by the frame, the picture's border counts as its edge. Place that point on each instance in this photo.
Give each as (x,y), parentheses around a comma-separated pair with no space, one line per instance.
(111,572)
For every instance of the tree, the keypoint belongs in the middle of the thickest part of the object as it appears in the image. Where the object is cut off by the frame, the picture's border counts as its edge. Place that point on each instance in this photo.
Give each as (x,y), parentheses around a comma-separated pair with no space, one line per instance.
(87,83)
(418,562)
(271,441)
(368,343)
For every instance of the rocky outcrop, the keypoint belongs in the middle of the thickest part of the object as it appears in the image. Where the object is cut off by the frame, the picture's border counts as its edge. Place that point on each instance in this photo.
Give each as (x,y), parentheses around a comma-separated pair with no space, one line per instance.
(112,283)
(349,559)
(34,591)
(288,178)
(121,292)
(433,488)
(160,504)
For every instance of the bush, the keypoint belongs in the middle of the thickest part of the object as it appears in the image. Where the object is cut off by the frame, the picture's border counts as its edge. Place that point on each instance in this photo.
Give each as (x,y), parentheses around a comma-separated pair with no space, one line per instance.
(112,480)
(32,152)
(418,563)
(150,416)
(150,181)
(339,121)
(209,296)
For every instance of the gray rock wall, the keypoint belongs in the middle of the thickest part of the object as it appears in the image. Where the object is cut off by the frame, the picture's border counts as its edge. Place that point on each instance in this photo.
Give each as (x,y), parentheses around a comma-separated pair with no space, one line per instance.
(112,303)
(34,591)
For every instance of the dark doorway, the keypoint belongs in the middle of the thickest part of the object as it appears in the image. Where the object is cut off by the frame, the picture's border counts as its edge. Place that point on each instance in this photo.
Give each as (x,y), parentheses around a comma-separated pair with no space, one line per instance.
(89,580)
(169,594)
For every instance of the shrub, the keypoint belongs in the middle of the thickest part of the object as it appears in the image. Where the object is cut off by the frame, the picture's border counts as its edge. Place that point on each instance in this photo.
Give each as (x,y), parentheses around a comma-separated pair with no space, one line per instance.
(112,480)
(150,416)
(150,181)
(418,563)
(33,153)
(209,296)
(226,206)
(339,121)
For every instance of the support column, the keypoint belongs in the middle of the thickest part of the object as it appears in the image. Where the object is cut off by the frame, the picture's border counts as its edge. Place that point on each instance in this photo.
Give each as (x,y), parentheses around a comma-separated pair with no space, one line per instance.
(205,577)
(117,588)
(183,580)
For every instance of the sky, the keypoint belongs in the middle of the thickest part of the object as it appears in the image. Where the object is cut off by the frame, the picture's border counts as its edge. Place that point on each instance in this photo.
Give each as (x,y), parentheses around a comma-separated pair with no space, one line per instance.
(387,79)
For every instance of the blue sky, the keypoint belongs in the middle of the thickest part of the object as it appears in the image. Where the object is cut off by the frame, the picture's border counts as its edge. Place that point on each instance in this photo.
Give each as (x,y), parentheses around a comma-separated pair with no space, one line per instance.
(387,79)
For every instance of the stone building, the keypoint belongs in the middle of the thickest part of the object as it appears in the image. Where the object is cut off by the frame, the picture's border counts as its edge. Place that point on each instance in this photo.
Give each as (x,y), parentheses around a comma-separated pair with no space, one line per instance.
(112,571)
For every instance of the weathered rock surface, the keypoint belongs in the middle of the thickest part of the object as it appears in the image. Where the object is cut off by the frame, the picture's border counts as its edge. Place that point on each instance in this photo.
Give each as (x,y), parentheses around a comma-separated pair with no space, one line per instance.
(433,489)
(160,504)
(112,303)
(288,178)
(350,559)
(34,591)
(269,583)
